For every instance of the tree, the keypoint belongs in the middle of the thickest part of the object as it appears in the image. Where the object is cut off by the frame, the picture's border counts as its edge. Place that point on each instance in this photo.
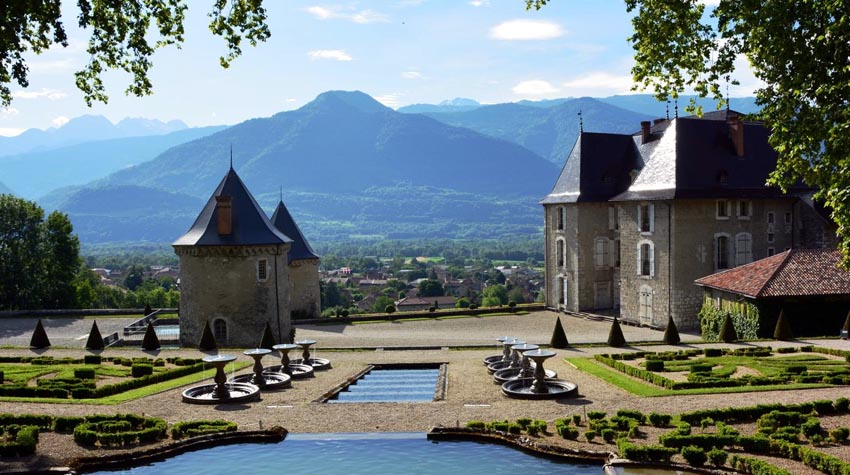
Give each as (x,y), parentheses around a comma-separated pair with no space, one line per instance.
(799,50)
(381,303)
(431,288)
(615,335)
(121,35)
(671,333)
(783,331)
(494,295)
(727,331)
(151,341)
(135,277)
(559,336)
(62,251)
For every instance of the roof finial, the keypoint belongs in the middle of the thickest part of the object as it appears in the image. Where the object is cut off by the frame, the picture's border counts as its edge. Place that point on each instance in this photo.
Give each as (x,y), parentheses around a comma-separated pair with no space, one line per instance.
(281,193)
(580,123)
(231,156)
(727,93)
(676,108)
(668,109)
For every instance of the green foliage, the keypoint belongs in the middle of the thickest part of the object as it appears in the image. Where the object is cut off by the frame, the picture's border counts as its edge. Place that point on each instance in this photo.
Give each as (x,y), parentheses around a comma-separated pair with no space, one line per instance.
(595,415)
(782,331)
(645,453)
(559,336)
(615,335)
(431,288)
(151,341)
(39,338)
(390,309)
(141,369)
(659,420)
(727,332)
(718,456)
(745,318)
(95,340)
(196,428)
(840,434)
(590,435)
(120,430)
(494,295)
(462,302)
(755,466)
(695,456)
(671,333)
(84,373)
(655,365)
(92,359)
(683,428)
(25,439)
(207,342)
(476,424)
(381,303)
(632,414)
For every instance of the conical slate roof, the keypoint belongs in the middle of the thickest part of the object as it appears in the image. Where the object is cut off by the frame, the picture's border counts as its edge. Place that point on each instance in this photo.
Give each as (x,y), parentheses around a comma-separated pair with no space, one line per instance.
(282,220)
(250,226)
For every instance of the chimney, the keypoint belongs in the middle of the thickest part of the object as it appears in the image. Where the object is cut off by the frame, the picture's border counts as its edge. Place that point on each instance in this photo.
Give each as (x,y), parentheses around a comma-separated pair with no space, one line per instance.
(736,133)
(644,131)
(223,206)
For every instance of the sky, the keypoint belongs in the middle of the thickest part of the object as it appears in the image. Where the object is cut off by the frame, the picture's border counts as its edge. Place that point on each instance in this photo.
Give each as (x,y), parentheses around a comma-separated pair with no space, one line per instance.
(401,52)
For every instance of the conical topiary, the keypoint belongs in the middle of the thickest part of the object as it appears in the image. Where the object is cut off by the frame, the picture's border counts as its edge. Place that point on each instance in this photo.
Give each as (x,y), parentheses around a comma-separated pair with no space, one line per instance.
(783,328)
(727,332)
(615,336)
(39,338)
(207,339)
(151,341)
(671,333)
(559,337)
(267,341)
(148,309)
(95,341)
(846,326)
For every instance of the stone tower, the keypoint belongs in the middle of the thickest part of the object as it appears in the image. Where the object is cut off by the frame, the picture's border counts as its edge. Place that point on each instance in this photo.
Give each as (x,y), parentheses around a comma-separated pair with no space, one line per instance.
(234,271)
(304,291)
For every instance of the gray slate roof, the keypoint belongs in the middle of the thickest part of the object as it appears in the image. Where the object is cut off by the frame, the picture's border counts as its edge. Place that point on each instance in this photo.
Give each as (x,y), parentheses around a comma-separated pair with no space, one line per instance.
(250,225)
(283,221)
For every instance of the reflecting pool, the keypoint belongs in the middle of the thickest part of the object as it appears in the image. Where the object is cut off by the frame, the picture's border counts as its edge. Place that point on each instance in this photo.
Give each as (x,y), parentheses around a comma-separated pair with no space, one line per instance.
(366,454)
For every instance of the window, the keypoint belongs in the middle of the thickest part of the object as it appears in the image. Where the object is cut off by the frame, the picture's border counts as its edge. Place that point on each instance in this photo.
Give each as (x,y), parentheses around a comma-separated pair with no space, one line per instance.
(645,309)
(262,270)
(770,251)
(600,253)
(562,291)
(771,237)
(561,251)
(562,217)
(743,249)
(220,330)
(721,246)
(744,209)
(646,259)
(646,218)
(617,253)
(722,209)
(788,218)
(771,217)
(612,218)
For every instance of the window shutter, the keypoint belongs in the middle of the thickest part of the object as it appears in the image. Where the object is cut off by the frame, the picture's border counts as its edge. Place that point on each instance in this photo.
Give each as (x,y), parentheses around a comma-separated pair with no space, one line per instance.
(651,218)
(639,220)
(639,256)
(651,261)
(612,258)
(612,218)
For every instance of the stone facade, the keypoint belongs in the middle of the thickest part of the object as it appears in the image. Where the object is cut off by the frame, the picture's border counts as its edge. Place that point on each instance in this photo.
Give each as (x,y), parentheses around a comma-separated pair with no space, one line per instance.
(305,294)
(221,285)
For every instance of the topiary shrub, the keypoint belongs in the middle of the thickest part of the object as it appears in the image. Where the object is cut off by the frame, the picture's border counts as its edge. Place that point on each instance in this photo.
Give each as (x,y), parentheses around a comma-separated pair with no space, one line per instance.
(432,309)
(476,425)
(512,305)
(559,337)
(196,428)
(389,309)
(671,333)
(92,359)
(718,456)
(267,340)
(727,332)
(39,338)
(615,336)
(84,373)
(141,369)
(472,306)
(151,341)
(595,415)
(590,435)
(95,340)
(207,342)
(713,352)
(655,365)
(782,331)
(659,420)
(148,310)
(344,313)
(695,456)
(577,419)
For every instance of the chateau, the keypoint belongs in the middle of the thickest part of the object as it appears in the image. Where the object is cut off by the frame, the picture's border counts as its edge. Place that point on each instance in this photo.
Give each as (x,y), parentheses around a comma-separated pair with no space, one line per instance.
(239,270)
(634,220)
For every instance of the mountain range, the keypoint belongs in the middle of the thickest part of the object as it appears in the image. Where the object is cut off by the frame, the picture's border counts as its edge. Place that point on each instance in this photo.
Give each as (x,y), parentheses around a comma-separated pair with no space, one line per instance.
(5,189)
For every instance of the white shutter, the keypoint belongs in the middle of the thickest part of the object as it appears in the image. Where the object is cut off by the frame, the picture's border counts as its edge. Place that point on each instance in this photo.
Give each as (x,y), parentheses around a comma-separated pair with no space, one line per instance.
(639,252)
(652,261)
(612,218)
(639,216)
(651,218)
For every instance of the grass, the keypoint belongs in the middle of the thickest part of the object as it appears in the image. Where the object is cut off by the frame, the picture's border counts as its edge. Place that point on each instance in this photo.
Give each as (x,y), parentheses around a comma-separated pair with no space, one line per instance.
(640,388)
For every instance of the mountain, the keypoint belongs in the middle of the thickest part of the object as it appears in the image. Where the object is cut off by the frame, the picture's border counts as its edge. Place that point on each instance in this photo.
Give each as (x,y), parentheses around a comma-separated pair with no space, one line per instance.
(5,190)
(85,128)
(350,168)
(34,174)
(647,104)
(458,104)
(548,131)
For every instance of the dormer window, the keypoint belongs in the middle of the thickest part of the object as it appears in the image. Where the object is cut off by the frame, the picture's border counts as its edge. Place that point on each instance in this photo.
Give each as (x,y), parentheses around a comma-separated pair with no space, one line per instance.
(745,209)
(646,218)
(722,207)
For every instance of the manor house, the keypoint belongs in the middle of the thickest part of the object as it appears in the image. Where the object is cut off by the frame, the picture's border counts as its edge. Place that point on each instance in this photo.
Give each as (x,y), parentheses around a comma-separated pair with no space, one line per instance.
(634,220)
(239,270)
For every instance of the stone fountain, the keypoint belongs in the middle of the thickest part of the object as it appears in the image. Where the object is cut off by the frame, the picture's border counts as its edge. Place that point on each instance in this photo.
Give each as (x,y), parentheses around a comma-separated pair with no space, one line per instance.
(318,364)
(221,392)
(522,370)
(294,370)
(507,356)
(492,359)
(264,381)
(538,386)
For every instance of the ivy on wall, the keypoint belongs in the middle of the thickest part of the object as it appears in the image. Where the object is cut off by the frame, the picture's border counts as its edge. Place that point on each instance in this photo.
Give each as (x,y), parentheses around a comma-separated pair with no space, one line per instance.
(745,318)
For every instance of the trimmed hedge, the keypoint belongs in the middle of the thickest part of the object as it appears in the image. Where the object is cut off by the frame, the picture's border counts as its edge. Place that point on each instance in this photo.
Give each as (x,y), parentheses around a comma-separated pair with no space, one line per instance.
(195,428)
(645,453)
(755,466)
(119,430)
(24,443)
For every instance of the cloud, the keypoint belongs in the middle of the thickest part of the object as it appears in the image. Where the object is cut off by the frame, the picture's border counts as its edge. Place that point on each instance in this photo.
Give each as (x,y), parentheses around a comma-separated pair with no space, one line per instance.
(10,131)
(392,99)
(534,87)
(8,112)
(335,54)
(599,82)
(52,66)
(411,75)
(52,94)
(480,3)
(60,121)
(526,30)
(340,13)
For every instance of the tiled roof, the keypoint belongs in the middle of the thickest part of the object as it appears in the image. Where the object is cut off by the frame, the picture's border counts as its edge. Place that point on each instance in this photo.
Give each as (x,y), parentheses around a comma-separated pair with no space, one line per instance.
(251,226)
(793,273)
(284,222)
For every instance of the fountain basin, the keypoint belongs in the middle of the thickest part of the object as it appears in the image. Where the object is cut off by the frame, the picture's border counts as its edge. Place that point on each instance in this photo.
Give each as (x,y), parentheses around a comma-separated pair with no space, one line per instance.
(506,374)
(318,364)
(521,388)
(271,381)
(210,394)
(298,371)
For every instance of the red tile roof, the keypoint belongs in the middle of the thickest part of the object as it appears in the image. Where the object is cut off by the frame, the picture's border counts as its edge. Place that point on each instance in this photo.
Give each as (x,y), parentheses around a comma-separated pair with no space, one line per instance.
(798,272)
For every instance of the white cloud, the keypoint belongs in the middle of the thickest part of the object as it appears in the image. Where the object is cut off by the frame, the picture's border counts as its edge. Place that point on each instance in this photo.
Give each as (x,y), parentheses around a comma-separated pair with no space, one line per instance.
(52,94)
(411,75)
(480,3)
(526,30)
(52,66)
(534,87)
(599,83)
(10,131)
(8,112)
(335,54)
(392,99)
(60,121)
(350,14)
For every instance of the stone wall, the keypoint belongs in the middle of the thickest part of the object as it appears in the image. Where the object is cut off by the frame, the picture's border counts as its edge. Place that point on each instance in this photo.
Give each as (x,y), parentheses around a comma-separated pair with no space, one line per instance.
(221,282)
(305,294)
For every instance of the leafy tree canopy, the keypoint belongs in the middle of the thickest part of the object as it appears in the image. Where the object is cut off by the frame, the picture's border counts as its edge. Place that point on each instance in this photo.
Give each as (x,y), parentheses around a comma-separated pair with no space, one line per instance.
(798,49)
(124,36)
